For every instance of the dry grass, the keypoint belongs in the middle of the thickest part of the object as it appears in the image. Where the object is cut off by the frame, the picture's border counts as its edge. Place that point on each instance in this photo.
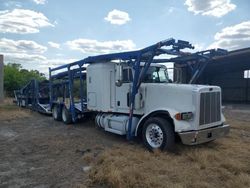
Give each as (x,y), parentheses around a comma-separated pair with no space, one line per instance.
(7,101)
(9,111)
(222,163)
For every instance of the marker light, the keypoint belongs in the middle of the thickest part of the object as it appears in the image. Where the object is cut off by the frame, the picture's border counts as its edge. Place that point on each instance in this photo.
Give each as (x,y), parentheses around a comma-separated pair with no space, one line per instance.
(184,116)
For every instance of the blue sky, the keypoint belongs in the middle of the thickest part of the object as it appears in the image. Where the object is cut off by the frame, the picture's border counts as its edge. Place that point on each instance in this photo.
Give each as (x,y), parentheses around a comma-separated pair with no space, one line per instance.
(46,33)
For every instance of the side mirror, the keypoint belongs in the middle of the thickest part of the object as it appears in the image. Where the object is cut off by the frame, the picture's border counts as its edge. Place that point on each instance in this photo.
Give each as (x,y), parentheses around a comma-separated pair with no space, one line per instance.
(118,74)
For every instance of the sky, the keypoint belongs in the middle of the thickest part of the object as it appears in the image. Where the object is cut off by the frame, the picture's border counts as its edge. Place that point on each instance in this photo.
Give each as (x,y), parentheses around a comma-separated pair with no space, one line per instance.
(47,33)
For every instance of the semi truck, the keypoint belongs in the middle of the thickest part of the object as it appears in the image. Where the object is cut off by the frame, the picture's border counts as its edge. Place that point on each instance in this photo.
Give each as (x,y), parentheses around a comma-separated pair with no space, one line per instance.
(130,93)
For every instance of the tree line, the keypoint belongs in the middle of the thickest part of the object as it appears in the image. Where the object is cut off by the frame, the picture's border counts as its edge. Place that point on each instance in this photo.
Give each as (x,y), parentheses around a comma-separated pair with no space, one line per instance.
(15,77)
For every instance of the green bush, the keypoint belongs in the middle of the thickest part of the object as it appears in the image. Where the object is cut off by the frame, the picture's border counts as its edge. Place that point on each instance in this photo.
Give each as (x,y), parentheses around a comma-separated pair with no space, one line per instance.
(15,77)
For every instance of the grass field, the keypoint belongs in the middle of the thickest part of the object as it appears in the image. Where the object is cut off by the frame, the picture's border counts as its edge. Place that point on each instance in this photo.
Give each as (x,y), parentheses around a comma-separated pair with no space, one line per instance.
(221,163)
(37,151)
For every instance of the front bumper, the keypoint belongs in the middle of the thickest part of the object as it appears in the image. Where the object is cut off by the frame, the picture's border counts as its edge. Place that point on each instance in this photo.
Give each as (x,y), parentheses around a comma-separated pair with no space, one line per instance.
(205,135)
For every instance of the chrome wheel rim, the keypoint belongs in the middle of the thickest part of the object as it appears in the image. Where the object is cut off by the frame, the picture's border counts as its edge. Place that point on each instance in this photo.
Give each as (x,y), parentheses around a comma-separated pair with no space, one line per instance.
(154,135)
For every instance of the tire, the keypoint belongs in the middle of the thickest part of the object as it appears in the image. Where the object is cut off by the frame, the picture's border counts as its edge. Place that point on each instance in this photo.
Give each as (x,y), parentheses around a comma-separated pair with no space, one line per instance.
(66,116)
(18,103)
(158,133)
(57,112)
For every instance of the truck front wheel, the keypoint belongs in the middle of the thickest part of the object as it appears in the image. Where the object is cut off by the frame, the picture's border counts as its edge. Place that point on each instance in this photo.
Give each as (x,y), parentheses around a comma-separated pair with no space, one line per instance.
(158,133)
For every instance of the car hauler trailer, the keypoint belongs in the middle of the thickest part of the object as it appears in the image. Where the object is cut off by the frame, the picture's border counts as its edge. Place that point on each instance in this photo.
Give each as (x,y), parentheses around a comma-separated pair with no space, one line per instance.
(130,94)
(34,95)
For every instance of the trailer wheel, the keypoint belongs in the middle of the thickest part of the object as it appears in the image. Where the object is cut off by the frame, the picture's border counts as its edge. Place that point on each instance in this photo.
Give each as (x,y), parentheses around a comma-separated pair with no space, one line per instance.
(158,133)
(18,103)
(66,116)
(57,112)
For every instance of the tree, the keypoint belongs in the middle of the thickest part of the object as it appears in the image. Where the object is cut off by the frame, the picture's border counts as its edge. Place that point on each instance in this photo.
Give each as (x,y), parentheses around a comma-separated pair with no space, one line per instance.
(16,77)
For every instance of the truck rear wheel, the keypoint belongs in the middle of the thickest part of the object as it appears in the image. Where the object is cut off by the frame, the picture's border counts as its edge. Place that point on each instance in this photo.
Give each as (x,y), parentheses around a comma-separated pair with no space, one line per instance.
(66,116)
(57,112)
(158,133)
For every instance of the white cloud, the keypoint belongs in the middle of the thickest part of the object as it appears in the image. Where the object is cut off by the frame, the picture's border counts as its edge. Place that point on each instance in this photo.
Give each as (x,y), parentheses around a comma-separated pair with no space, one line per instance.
(97,47)
(23,58)
(52,63)
(215,8)
(22,21)
(20,51)
(56,62)
(54,45)
(40,2)
(233,37)
(21,46)
(117,17)
(30,55)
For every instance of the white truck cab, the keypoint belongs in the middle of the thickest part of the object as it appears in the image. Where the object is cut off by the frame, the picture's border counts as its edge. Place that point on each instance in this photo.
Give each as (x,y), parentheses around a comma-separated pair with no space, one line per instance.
(162,111)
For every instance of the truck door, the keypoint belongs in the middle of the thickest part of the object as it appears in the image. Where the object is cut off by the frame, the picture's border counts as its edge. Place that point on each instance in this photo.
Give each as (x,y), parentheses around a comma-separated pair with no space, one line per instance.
(122,92)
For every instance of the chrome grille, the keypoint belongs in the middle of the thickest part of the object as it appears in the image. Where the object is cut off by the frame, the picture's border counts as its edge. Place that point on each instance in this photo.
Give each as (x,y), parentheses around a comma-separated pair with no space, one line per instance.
(210,107)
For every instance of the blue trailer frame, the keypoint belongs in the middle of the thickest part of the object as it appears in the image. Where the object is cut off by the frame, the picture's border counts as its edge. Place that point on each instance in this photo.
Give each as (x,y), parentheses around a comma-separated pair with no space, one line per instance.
(201,60)
(133,59)
(33,96)
(66,79)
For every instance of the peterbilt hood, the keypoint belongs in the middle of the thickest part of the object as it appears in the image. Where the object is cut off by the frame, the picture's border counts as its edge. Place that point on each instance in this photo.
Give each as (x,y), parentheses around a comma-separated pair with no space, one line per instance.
(188,87)
(202,101)
(181,97)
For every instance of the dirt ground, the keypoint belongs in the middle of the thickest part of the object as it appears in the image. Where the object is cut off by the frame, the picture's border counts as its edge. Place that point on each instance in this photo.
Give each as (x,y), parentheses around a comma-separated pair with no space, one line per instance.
(36,151)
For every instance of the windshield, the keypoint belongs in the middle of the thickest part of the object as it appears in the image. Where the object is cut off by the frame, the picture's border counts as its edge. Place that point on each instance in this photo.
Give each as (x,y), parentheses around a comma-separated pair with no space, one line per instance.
(156,75)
